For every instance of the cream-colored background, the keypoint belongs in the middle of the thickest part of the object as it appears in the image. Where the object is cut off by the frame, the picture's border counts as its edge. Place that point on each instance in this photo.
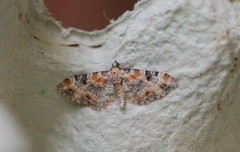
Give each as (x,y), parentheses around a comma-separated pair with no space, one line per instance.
(197,42)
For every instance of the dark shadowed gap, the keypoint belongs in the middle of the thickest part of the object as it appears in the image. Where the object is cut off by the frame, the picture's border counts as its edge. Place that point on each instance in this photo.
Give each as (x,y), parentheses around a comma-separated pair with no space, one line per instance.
(87,14)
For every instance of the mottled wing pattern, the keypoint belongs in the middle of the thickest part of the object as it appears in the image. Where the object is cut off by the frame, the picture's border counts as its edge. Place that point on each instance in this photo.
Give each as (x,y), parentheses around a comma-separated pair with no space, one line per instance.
(95,90)
(143,87)
(100,89)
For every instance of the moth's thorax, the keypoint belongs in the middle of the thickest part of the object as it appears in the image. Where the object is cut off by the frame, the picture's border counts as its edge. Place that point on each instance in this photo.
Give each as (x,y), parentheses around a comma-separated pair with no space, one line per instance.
(115,72)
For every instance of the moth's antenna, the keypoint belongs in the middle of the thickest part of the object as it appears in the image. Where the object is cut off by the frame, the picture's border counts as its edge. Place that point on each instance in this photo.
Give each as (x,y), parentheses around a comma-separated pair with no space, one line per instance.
(115,64)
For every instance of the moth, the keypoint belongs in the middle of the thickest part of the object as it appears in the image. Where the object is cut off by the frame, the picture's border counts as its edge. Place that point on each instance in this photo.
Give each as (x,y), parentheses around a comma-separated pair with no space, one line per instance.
(100,89)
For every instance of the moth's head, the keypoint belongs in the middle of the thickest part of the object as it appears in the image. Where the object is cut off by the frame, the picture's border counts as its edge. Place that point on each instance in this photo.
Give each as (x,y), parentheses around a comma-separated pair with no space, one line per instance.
(115,64)
(115,70)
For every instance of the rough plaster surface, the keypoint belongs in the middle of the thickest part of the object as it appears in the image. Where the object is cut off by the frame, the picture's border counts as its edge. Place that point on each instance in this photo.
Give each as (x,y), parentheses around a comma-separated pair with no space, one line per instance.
(197,42)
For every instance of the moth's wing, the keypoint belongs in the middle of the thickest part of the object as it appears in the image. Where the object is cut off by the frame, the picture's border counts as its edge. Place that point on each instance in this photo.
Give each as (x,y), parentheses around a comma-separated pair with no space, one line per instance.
(95,90)
(143,87)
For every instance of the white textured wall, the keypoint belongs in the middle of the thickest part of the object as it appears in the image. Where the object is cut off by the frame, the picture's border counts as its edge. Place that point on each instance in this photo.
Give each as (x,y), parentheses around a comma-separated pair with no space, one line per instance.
(197,42)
